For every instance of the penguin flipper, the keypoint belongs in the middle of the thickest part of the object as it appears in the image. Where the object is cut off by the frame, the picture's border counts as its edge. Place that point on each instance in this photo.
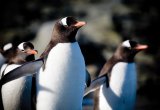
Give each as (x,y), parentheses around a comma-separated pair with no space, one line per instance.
(96,83)
(28,68)
(88,79)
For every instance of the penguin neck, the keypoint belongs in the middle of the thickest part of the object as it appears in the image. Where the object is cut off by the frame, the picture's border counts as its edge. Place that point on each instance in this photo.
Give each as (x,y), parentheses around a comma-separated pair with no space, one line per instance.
(108,66)
(16,60)
(52,44)
(48,49)
(21,58)
(111,62)
(30,58)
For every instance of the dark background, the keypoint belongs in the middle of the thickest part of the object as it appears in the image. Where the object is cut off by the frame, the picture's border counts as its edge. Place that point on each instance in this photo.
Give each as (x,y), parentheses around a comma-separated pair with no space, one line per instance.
(109,22)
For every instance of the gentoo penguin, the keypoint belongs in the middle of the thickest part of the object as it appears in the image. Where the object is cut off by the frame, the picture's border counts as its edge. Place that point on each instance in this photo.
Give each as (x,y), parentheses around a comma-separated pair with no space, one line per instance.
(15,57)
(120,93)
(61,82)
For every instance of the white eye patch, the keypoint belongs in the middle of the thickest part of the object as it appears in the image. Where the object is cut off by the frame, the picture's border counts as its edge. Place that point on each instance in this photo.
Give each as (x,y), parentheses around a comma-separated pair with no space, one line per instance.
(126,44)
(64,21)
(20,46)
(7,46)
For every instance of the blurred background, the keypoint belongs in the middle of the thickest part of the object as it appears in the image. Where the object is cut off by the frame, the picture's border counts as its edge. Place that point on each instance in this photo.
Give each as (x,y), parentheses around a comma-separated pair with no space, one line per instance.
(109,22)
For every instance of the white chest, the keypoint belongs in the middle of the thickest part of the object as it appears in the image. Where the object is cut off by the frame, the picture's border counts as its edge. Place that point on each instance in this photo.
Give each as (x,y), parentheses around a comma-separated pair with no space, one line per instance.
(121,93)
(21,88)
(7,68)
(63,80)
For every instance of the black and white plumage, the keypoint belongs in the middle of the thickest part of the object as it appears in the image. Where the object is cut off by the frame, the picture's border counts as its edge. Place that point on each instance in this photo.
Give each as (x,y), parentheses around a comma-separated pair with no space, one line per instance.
(61,82)
(16,93)
(117,81)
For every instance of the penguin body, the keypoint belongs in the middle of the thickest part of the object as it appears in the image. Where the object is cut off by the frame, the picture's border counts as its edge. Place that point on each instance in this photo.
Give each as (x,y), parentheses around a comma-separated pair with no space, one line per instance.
(69,79)
(16,93)
(60,84)
(119,91)
(21,87)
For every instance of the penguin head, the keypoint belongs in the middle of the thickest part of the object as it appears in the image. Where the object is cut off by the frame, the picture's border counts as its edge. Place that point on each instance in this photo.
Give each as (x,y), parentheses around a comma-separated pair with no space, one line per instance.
(7,46)
(128,49)
(27,47)
(26,51)
(3,50)
(6,49)
(65,29)
(18,54)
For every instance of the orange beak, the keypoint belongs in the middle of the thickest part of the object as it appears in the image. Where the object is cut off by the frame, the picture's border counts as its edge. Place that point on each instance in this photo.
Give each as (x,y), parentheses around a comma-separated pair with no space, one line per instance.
(32,52)
(141,47)
(80,24)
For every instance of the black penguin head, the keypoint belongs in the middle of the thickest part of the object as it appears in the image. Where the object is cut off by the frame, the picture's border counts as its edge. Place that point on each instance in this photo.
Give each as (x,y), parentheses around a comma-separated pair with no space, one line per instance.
(18,54)
(27,47)
(4,50)
(65,29)
(26,51)
(128,49)
(7,49)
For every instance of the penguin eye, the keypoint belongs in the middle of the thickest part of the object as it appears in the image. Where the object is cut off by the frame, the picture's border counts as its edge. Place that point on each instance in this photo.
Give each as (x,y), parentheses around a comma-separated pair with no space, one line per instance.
(71,21)
(68,21)
(133,44)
